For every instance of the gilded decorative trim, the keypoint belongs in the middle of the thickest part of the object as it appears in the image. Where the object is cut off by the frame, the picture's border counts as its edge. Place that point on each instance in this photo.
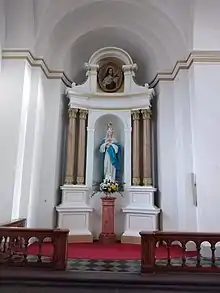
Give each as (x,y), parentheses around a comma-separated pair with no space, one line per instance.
(147,181)
(72,113)
(80,180)
(68,179)
(146,113)
(135,114)
(136,181)
(193,57)
(83,114)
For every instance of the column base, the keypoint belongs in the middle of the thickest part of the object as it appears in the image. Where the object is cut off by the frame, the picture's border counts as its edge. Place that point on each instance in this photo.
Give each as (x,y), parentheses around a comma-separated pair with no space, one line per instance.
(130,239)
(80,238)
(75,214)
(140,214)
(107,238)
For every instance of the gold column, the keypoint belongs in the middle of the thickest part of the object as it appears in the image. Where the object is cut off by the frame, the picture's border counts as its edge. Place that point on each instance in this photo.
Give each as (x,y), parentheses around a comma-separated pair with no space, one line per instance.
(147,174)
(81,147)
(136,148)
(71,146)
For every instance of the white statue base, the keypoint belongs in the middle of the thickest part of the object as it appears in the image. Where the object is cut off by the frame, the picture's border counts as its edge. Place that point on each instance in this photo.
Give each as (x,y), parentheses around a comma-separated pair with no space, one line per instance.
(140,213)
(74,213)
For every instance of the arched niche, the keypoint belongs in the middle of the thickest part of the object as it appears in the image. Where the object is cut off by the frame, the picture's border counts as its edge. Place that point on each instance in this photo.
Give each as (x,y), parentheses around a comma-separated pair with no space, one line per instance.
(111,52)
(100,128)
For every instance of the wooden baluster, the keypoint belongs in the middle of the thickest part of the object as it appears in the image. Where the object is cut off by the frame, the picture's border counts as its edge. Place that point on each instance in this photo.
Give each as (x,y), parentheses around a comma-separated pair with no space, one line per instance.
(184,253)
(169,243)
(1,243)
(25,253)
(60,249)
(148,243)
(213,253)
(198,248)
(40,243)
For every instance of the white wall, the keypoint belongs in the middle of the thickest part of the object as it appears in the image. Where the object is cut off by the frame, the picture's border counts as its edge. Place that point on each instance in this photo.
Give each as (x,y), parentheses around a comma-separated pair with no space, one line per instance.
(2,28)
(49,184)
(30,141)
(20,24)
(205,90)
(206,32)
(176,154)
(167,179)
(184,154)
(12,130)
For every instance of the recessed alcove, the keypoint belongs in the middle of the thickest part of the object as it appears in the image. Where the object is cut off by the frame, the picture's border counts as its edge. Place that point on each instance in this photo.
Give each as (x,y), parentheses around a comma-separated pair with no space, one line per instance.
(99,134)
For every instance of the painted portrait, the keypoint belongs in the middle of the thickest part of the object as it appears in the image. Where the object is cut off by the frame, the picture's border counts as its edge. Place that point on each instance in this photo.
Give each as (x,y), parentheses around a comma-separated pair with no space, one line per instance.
(110,77)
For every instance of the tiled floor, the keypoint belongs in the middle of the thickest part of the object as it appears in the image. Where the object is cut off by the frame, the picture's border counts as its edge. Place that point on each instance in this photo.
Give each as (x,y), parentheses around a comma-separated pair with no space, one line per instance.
(123,266)
(129,266)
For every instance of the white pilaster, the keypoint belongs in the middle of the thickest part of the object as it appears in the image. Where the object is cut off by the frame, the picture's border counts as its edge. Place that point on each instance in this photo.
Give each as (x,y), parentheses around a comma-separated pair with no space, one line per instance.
(89,157)
(127,155)
(15,91)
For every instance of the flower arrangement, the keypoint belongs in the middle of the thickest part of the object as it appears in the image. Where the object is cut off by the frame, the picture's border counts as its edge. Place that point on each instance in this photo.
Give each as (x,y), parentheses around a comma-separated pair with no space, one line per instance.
(108,187)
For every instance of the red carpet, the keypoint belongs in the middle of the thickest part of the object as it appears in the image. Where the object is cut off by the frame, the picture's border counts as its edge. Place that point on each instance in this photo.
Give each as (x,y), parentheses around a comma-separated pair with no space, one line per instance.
(116,251)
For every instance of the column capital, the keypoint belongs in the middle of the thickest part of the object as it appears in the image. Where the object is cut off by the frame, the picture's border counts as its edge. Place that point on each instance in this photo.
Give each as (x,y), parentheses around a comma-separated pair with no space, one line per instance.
(135,114)
(83,114)
(72,113)
(146,113)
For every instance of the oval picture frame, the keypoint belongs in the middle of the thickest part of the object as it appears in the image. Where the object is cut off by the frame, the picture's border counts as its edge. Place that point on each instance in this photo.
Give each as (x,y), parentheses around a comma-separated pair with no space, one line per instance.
(110,77)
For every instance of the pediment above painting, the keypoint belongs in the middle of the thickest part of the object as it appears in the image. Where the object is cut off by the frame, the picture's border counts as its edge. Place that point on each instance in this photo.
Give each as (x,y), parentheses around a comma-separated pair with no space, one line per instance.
(110,81)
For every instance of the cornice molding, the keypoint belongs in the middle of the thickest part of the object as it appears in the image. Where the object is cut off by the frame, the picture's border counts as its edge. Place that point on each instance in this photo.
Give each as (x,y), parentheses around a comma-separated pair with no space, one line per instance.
(37,62)
(193,57)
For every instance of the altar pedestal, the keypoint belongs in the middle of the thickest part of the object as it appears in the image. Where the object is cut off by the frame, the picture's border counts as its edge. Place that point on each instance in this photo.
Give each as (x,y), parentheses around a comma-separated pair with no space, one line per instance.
(74,213)
(140,213)
(108,220)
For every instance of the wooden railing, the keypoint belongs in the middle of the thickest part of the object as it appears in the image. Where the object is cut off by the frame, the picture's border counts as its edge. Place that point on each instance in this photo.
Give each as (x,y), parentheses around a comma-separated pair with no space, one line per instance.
(15,223)
(176,251)
(33,248)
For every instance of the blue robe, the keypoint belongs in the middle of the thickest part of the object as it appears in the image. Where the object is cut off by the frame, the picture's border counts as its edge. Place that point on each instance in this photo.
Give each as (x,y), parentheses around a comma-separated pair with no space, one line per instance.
(114,158)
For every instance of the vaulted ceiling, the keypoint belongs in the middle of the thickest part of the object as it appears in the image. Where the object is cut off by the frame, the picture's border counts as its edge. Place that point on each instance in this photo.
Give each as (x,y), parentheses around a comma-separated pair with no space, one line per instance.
(156,33)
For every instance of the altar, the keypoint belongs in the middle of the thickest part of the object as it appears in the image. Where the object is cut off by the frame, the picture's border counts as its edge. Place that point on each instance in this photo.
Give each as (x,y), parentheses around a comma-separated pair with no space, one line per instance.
(109,100)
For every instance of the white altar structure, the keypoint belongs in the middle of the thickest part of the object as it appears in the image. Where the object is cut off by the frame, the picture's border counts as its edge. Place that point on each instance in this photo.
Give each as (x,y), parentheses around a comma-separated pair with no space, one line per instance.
(90,110)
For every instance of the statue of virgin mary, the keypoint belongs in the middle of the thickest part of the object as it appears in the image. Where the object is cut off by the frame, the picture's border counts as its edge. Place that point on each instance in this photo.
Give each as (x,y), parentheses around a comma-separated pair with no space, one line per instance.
(111,150)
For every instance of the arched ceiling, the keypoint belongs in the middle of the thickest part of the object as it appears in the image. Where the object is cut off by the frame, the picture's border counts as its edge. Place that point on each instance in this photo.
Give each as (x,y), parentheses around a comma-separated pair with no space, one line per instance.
(80,51)
(70,31)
